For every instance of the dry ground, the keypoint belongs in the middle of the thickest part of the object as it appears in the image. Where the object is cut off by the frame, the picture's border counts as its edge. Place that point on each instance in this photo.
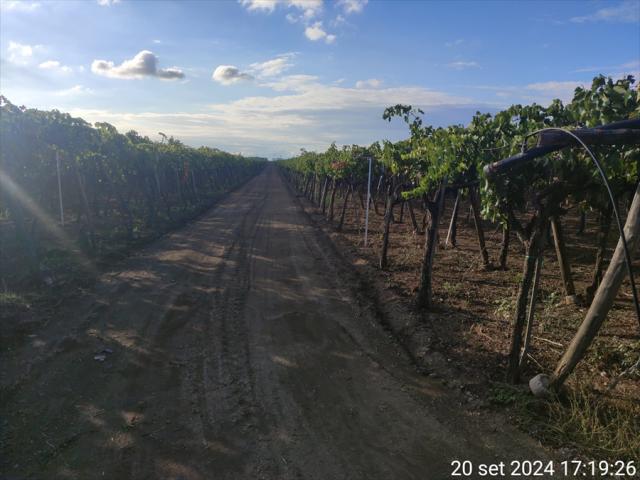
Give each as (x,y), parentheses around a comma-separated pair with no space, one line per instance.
(465,338)
(241,346)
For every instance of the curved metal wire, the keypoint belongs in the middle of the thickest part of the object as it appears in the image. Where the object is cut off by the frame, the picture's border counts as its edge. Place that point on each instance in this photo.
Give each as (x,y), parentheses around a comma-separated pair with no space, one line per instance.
(613,205)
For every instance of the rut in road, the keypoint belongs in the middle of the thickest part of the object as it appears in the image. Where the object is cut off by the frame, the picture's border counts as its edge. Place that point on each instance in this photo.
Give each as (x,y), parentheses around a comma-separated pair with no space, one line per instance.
(241,349)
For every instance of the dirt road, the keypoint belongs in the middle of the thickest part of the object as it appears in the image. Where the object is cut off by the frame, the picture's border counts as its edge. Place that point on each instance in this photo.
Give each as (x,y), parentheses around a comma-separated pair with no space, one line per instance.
(238,347)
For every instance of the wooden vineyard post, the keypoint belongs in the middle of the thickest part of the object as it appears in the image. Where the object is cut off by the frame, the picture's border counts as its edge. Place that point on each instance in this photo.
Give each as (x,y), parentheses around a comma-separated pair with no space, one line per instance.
(563,261)
(388,216)
(535,246)
(87,207)
(366,215)
(453,224)
(193,182)
(604,296)
(323,199)
(59,188)
(531,314)
(504,245)
(344,206)
(475,208)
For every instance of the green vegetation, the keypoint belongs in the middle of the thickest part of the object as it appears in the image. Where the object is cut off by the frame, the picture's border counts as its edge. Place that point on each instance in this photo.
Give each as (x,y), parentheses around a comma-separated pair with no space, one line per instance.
(528,201)
(73,191)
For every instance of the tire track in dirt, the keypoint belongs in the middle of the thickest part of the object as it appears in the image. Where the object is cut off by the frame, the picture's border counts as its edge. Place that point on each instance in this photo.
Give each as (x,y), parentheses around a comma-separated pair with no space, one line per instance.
(242,349)
(223,375)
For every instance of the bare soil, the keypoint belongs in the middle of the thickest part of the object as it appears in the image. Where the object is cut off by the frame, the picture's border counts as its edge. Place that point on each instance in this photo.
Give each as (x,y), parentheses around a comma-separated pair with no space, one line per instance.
(241,346)
(465,338)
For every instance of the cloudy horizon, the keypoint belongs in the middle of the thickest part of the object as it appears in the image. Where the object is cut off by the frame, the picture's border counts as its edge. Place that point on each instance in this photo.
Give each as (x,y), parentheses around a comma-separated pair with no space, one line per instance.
(268,77)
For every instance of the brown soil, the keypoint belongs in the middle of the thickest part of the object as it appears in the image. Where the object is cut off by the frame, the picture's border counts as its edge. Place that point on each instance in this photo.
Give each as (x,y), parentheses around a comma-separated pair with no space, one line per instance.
(466,337)
(242,346)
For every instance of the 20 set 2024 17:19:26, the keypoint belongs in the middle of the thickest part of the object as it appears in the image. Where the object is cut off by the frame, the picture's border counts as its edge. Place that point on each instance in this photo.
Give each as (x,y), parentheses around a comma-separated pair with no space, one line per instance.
(548,469)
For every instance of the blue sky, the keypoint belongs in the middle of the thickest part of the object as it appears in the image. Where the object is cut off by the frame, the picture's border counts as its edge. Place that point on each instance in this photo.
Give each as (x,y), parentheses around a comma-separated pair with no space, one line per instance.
(268,77)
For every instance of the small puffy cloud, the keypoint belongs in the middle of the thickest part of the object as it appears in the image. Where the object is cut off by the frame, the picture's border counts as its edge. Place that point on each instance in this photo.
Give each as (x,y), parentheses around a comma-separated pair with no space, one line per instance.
(144,64)
(21,53)
(303,12)
(259,5)
(273,67)
(310,8)
(229,74)
(626,12)
(352,6)
(315,33)
(18,6)
(107,3)
(307,8)
(460,65)
(371,83)
(54,65)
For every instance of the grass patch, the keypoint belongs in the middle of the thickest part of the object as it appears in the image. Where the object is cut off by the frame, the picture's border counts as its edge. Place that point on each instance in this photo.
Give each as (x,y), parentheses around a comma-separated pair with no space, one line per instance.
(504,307)
(600,427)
(450,289)
(10,299)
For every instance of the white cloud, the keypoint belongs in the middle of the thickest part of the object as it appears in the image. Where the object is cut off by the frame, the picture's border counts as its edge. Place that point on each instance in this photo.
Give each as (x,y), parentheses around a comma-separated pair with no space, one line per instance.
(273,67)
(371,83)
(309,8)
(18,6)
(307,114)
(50,64)
(339,20)
(308,97)
(460,65)
(626,12)
(74,91)
(21,53)
(107,3)
(259,5)
(541,92)
(352,6)
(54,65)
(292,83)
(547,91)
(229,74)
(304,13)
(315,32)
(144,64)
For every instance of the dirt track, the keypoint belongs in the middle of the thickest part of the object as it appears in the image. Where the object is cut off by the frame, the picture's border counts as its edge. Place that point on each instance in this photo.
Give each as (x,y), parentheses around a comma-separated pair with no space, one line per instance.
(241,348)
